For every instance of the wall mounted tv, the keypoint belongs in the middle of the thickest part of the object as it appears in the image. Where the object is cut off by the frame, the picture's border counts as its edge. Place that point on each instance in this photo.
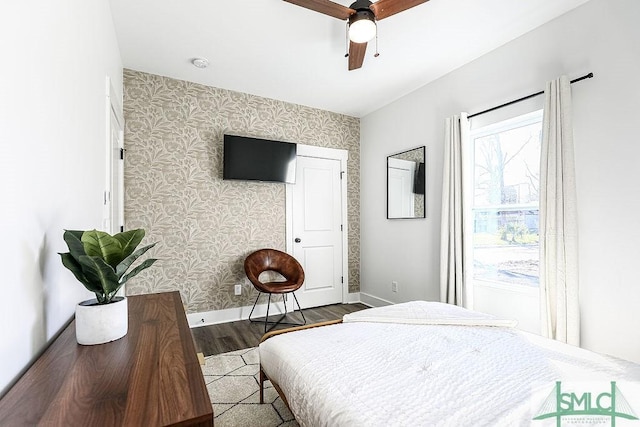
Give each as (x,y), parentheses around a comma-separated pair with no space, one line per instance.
(259,159)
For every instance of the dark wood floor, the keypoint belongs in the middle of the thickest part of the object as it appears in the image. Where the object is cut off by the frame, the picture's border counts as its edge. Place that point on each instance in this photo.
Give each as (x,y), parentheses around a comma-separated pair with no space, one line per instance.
(224,337)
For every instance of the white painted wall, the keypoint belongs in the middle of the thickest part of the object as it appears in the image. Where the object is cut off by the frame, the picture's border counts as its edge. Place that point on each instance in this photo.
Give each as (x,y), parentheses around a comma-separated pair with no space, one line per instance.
(601,36)
(55,58)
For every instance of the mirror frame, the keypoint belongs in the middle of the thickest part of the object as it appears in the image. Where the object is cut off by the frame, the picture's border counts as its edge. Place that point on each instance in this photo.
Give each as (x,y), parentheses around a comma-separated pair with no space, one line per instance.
(423,199)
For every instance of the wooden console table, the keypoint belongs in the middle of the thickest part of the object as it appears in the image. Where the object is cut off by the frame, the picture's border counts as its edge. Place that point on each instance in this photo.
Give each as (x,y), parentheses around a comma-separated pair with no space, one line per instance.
(150,377)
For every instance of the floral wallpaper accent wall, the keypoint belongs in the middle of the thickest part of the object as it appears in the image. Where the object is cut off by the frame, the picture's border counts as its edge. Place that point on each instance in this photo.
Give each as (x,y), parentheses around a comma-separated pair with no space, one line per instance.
(205,226)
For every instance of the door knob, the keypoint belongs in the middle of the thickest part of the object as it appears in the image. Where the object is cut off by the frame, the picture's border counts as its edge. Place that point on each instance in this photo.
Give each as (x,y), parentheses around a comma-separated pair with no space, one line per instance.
(297,240)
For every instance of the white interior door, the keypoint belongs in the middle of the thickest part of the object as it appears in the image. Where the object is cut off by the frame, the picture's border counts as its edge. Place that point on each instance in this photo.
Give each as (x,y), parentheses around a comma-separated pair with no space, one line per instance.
(317,230)
(400,189)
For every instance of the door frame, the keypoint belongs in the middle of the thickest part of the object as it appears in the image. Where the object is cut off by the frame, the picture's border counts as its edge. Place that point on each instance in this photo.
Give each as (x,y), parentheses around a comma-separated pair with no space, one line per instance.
(331,154)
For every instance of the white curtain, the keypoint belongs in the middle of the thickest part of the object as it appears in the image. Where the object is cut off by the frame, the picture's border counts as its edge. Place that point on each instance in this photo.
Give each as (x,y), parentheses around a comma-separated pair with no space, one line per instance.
(452,289)
(558,218)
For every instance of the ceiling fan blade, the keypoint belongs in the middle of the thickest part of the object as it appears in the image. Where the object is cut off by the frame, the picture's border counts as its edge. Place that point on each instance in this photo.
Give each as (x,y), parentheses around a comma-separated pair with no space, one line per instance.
(325,6)
(385,8)
(356,55)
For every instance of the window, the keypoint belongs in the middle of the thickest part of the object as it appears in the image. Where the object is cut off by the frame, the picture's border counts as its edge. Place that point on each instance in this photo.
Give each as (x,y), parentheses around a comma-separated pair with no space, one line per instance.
(504,202)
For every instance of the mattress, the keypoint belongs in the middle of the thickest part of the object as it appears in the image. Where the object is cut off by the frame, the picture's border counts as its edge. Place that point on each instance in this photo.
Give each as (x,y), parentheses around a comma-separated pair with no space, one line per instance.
(381,367)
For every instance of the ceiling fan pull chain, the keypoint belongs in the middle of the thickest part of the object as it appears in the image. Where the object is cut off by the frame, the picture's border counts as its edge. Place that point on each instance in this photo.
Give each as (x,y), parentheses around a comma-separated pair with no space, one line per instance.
(377,53)
(346,40)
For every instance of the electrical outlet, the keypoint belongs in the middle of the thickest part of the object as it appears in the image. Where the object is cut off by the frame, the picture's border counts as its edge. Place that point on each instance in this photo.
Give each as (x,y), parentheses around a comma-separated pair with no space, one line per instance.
(394,286)
(238,290)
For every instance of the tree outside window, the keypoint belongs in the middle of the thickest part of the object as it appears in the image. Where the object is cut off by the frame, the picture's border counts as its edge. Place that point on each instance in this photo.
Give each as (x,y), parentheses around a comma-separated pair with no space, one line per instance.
(506,175)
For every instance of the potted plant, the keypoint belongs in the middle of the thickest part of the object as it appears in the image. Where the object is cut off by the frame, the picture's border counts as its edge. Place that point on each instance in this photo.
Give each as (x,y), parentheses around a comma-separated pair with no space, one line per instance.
(100,262)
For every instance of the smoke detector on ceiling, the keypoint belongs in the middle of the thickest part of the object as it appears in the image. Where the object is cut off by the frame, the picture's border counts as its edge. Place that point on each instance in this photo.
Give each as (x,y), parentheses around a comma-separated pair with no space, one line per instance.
(200,62)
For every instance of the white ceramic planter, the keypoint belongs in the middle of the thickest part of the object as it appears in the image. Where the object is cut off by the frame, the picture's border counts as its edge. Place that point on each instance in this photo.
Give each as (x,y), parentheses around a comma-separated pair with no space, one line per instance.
(101,323)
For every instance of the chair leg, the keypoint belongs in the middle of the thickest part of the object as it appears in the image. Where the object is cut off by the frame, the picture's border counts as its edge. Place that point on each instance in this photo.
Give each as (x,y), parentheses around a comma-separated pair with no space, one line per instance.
(266,319)
(273,324)
(254,307)
(299,308)
(284,302)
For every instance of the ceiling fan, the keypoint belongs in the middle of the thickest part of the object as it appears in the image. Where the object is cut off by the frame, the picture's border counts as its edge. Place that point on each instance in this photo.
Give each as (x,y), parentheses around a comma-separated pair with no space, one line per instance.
(362,16)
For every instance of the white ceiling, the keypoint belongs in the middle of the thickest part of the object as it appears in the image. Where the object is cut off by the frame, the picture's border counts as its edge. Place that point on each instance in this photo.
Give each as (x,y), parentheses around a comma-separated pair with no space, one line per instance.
(275,49)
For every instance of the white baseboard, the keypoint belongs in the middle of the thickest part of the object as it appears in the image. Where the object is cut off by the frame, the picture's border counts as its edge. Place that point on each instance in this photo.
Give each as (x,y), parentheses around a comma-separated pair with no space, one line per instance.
(353,298)
(214,317)
(372,301)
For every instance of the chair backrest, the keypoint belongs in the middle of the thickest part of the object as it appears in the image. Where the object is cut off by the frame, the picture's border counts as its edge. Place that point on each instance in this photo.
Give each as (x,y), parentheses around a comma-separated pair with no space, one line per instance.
(273,260)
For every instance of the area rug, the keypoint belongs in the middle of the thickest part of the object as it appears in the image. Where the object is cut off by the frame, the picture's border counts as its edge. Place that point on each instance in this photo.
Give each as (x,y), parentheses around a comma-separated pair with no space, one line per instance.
(233,383)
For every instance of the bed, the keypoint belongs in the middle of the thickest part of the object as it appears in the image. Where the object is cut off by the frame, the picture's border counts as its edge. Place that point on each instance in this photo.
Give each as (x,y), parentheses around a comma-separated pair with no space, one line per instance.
(432,364)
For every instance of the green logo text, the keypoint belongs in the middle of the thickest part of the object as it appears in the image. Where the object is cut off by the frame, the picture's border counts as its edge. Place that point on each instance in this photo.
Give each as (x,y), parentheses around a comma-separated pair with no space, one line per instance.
(610,403)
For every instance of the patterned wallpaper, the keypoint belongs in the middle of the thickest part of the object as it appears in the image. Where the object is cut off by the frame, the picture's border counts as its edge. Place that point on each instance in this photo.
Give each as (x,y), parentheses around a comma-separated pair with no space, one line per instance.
(205,226)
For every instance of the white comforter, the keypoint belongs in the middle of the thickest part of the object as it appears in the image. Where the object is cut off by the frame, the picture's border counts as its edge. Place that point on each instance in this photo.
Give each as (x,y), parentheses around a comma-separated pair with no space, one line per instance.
(378,372)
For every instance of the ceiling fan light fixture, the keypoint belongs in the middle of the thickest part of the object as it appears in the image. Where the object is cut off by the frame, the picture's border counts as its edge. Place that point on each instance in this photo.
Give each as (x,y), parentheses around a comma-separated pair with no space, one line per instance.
(362,26)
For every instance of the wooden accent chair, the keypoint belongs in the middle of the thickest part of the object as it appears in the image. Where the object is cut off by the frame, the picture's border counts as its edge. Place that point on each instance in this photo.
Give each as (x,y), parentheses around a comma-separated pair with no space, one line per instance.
(274,260)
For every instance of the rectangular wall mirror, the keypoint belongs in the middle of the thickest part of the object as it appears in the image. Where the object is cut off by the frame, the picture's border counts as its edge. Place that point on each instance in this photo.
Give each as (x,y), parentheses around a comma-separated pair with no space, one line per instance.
(407,184)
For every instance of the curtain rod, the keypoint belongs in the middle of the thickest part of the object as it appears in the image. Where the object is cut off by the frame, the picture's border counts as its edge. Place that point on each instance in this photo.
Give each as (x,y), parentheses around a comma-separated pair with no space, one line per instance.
(586,76)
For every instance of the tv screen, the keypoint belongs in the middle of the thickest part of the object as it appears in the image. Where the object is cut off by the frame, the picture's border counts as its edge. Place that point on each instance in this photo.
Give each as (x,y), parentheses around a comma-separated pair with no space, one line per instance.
(419,181)
(259,159)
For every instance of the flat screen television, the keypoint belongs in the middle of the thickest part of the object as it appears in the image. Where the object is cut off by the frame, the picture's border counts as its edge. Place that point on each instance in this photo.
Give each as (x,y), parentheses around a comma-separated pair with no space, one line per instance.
(419,180)
(259,159)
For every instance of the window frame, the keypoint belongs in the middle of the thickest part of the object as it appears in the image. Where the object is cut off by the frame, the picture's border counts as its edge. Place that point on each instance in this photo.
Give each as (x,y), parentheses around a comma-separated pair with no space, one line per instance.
(470,208)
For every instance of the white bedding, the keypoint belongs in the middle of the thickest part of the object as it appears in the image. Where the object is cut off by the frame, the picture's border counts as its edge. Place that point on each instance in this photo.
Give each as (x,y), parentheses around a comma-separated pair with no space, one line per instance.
(427,313)
(379,373)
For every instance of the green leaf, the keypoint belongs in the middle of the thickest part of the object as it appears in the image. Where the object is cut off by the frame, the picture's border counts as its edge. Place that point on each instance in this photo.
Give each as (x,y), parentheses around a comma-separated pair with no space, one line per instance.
(103,245)
(99,272)
(74,266)
(143,265)
(74,242)
(129,240)
(99,261)
(126,263)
